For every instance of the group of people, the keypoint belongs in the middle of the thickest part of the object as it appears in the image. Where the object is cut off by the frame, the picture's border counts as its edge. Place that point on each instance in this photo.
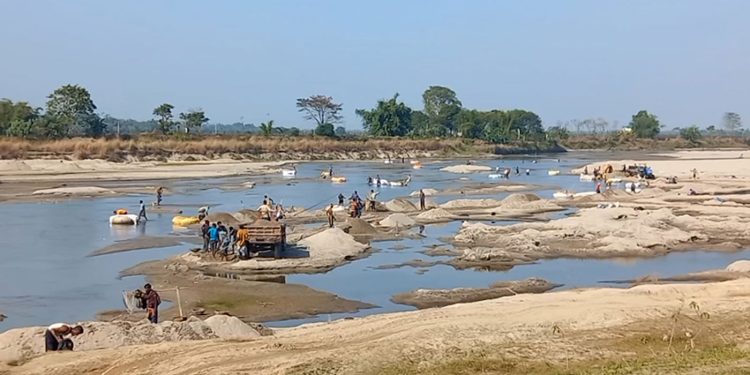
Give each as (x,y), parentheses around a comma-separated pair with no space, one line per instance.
(270,211)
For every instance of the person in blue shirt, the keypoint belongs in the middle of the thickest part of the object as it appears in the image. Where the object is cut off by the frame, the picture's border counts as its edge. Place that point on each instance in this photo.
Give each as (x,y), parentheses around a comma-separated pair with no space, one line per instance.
(213,237)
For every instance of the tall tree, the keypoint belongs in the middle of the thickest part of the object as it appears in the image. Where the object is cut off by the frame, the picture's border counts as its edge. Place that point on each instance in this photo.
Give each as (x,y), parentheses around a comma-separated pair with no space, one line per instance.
(320,108)
(691,134)
(266,128)
(390,118)
(419,124)
(193,120)
(19,113)
(72,107)
(645,125)
(441,105)
(164,117)
(732,122)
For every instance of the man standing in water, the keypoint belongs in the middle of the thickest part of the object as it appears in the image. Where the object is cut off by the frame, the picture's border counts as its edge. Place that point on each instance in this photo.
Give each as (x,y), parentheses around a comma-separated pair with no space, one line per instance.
(142,212)
(54,337)
(159,192)
(152,304)
(421,200)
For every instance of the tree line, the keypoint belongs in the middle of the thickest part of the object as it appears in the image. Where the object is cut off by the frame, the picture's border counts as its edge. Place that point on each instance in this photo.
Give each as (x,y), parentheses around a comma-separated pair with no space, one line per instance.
(70,111)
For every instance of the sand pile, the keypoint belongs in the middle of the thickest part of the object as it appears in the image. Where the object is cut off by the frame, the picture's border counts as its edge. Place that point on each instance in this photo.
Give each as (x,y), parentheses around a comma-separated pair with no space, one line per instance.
(397,220)
(435,214)
(324,251)
(359,227)
(471,203)
(465,168)
(23,343)
(400,205)
(530,203)
(596,232)
(519,199)
(427,298)
(225,218)
(739,266)
(230,327)
(79,190)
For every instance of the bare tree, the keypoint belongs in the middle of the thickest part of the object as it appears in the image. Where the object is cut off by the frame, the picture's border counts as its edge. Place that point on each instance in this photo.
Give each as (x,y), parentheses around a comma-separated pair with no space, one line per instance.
(321,109)
(732,122)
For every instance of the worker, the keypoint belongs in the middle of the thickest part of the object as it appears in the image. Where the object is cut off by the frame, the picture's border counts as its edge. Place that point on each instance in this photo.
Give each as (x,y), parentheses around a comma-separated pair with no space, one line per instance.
(586,170)
(369,180)
(159,192)
(518,172)
(528,172)
(152,303)
(279,214)
(202,212)
(695,173)
(341,199)
(377,180)
(355,196)
(421,200)
(142,212)
(243,235)
(371,200)
(353,207)
(330,170)
(213,237)
(265,211)
(598,187)
(506,173)
(204,234)
(632,187)
(54,337)
(268,200)
(329,213)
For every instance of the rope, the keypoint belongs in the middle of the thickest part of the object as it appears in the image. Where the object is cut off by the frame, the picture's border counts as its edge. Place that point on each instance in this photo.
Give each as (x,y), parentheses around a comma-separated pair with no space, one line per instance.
(321,202)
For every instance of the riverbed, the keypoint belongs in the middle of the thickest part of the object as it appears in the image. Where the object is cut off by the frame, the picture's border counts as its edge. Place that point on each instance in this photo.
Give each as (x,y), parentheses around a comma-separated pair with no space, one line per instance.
(46,275)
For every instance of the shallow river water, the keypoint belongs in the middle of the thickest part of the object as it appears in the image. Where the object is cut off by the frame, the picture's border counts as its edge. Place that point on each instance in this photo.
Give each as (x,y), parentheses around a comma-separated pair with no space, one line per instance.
(46,276)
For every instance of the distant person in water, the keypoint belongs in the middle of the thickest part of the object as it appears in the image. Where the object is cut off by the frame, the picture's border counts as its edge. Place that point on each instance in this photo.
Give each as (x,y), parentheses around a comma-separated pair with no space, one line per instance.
(329,214)
(159,192)
(142,212)
(421,200)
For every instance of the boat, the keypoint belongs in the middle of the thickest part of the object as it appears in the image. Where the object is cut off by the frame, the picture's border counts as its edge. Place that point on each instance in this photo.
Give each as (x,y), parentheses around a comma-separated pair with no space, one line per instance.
(404,182)
(123,219)
(494,176)
(288,172)
(412,162)
(183,221)
(387,161)
(338,179)
(417,166)
(562,195)
(587,177)
(584,194)
(553,172)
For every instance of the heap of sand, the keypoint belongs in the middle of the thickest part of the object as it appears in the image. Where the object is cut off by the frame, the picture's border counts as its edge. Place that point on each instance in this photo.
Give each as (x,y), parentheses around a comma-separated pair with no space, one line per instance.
(397,220)
(470,203)
(77,190)
(400,205)
(593,232)
(435,214)
(23,343)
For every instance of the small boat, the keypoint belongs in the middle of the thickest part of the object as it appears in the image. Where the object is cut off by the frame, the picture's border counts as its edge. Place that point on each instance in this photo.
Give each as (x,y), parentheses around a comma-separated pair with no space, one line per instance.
(417,166)
(553,172)
(325,174)
(587,177)
(288,172)
(123,219)
(584,194)
(338,179)
(494,176)
(387,161)
(562,195)
(413,162)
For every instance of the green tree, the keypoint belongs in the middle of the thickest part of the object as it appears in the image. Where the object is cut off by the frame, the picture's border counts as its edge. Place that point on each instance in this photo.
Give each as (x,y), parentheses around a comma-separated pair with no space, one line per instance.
(691,134)
(72,107)
(294,131)
(266,128)
(164,118)
(340,131)
(441,105)
(325,130)
(320,108)
(15,112)
(419,124)
(645,125)
(471,123)
(193,120)
(732,122)
(525,125)
(388,119)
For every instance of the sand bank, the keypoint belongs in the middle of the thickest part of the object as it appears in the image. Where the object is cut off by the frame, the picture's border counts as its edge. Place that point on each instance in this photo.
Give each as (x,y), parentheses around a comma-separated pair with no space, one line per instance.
(466,168)
(427,298)
(558,329)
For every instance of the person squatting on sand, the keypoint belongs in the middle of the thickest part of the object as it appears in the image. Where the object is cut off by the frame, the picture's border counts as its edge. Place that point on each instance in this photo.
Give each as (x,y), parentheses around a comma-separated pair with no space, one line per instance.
(54,337)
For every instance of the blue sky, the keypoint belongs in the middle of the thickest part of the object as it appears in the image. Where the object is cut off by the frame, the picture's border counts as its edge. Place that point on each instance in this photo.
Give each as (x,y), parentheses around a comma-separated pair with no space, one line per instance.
(686,61)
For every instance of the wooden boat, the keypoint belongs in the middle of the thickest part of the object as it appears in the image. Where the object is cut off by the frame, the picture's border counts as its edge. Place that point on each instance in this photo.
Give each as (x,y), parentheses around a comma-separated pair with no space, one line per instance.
(288,172)
(338,179)
(123,220)
(553,172)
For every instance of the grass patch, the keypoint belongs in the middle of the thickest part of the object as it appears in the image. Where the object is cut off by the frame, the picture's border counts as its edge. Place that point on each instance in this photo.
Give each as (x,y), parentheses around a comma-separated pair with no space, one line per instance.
(719,360)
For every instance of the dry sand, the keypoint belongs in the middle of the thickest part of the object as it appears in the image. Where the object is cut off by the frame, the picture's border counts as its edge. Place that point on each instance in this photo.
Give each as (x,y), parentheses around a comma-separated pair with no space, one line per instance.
(397,220)
(556,328)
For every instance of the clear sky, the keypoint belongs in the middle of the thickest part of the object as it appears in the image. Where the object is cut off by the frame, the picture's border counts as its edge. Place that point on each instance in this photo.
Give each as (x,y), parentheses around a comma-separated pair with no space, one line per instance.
(686,61)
